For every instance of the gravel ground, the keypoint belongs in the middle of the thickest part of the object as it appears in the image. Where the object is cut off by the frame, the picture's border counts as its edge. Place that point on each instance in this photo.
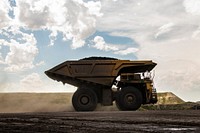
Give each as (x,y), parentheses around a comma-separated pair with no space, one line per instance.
(181,121)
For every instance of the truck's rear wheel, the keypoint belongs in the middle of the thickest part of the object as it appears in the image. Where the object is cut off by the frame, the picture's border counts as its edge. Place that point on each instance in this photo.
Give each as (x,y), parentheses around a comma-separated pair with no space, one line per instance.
(84,100)
(129,98)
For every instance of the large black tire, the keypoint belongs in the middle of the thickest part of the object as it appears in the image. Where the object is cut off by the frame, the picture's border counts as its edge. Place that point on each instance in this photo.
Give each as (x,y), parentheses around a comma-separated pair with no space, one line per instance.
(84,100)
(129,99)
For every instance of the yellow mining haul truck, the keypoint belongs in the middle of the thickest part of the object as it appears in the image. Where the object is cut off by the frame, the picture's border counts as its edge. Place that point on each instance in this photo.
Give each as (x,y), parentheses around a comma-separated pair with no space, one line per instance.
(95,77)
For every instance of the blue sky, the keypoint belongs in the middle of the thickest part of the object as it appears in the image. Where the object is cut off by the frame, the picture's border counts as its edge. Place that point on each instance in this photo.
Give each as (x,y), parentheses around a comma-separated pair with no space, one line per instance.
(37,35)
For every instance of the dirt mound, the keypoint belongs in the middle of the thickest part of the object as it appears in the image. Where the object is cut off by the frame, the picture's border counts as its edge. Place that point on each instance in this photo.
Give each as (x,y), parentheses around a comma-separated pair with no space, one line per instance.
(169,98)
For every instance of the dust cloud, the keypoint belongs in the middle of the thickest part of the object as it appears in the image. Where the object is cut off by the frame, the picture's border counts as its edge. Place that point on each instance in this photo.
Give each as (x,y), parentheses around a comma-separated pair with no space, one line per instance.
(41,102)
(35,102)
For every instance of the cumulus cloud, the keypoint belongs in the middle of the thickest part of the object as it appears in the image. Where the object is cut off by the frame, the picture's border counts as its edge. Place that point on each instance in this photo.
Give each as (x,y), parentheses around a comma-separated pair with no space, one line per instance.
(20,57)
(4,17)
(31,81)
(75,19)
(100,44)
(192,6)
(22,51)
(126,51)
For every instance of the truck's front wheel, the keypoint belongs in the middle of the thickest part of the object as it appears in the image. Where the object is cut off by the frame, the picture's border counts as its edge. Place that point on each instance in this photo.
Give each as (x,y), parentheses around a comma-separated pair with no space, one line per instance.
(84,100)
(129,98)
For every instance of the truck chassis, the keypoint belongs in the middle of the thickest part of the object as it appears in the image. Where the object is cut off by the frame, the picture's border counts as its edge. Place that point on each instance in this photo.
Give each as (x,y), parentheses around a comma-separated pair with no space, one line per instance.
(95,77)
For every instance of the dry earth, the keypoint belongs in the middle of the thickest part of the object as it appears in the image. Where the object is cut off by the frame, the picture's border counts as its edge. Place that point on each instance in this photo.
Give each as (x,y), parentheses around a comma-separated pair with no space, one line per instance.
(102,122)
(54,102)
(54,113)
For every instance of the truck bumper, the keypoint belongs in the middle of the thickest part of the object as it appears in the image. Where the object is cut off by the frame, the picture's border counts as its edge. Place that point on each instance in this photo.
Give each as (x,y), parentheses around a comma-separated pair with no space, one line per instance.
(154,98)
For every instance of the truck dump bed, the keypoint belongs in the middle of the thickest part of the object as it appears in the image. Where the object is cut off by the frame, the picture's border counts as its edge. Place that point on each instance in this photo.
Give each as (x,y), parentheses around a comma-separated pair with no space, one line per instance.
(98,71)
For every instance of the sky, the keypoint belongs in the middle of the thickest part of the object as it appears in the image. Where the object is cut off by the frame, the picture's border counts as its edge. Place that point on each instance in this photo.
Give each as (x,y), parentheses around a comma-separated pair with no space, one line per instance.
(36,35)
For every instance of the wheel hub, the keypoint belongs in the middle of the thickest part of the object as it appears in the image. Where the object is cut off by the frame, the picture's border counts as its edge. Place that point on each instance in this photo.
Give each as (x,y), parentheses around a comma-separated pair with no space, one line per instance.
(129,98)
(84,100)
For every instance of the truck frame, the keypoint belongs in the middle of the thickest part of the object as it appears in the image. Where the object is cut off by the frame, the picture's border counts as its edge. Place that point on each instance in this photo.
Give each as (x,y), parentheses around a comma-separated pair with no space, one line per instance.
(95,77)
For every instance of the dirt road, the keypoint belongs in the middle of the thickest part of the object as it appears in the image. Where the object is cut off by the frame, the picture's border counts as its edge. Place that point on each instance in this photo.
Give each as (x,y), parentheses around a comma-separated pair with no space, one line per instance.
(102,122)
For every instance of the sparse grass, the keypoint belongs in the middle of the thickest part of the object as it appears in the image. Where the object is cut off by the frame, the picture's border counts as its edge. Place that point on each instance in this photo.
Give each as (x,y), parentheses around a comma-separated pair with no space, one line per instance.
(182,106)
